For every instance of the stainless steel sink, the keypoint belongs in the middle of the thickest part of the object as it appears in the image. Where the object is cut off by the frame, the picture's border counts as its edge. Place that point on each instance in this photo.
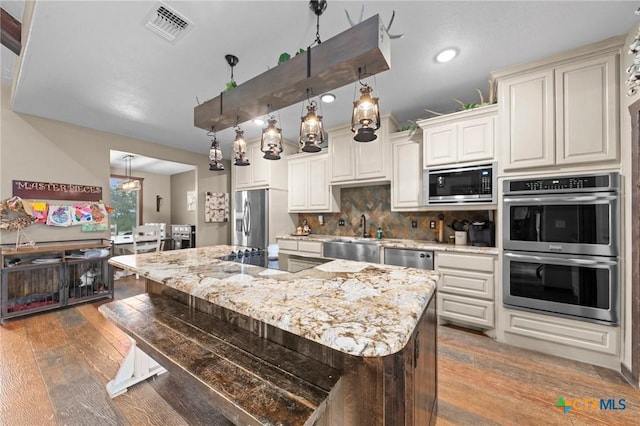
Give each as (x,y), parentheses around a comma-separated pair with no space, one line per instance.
(362,250)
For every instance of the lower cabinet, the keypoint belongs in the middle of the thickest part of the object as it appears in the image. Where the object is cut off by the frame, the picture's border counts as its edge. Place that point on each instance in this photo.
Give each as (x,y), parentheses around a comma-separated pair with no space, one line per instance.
(296,255)
(466,310)
(54,275)
(578,340)
(466,288)
(300,247)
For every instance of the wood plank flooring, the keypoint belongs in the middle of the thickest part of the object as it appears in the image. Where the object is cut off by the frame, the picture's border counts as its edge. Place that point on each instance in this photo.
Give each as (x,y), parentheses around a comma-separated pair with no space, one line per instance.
(54,367)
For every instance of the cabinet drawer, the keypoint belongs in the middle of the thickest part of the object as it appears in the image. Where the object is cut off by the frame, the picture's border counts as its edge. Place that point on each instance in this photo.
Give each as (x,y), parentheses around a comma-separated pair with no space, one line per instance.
(474,284)
(564,331)
(466,310)
(470,262)
(310,247)
(291,245)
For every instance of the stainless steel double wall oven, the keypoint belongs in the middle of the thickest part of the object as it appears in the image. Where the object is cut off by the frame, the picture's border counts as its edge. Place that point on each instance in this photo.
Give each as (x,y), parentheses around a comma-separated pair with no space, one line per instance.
(561,245)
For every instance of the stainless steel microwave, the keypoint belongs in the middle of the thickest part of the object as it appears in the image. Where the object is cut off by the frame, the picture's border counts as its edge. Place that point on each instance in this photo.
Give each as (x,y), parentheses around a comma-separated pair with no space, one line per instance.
(460,185)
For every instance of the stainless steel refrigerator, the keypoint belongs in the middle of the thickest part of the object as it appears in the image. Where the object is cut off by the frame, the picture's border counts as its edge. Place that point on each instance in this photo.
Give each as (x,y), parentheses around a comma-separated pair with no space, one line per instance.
(251,215)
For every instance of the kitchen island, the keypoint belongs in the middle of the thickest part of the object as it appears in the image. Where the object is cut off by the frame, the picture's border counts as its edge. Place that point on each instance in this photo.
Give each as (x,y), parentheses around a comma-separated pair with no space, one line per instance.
(373,324)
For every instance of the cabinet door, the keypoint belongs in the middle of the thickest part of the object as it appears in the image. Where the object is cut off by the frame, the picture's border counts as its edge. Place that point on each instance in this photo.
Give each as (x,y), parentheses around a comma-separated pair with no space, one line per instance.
(440,145)
(370,158)
(242,174)
(475,139)
(318,187)
(298,184)
(586,107)
(260,167)
(406,189)
(526,111)
(341,152)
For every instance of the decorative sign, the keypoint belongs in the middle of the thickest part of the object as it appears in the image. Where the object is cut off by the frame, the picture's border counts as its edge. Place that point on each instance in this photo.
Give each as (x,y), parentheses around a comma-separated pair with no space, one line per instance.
(56,191)
(216,207)
(191,200)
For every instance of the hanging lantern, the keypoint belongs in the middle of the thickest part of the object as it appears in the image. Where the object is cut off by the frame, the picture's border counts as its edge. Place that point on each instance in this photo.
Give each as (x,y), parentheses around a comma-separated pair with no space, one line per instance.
(215,156)
(311,131)
(271,142)
(365,119)
(240,149)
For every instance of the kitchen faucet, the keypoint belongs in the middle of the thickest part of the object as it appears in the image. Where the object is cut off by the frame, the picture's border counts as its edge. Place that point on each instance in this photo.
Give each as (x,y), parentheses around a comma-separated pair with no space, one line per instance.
(363,223)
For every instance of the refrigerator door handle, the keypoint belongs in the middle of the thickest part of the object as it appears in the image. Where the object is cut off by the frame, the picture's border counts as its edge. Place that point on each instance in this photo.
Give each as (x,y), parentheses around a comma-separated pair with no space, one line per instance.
(247,218)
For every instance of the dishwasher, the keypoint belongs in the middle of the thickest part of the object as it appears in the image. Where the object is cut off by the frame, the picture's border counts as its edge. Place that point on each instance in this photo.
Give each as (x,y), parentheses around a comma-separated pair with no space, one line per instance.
(420,259)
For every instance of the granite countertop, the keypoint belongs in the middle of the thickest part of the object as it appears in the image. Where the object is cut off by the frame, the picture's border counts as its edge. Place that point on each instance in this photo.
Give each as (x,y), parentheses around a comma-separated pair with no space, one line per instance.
(399,243)
(358,308)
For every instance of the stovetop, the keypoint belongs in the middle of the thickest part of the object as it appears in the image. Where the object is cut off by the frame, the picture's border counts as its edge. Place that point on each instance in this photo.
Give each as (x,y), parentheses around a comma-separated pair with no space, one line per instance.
(253,256)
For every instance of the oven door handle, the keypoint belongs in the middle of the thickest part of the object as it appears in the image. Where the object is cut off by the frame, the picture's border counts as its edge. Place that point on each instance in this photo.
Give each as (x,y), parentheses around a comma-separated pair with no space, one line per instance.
(562,260)
(563,199)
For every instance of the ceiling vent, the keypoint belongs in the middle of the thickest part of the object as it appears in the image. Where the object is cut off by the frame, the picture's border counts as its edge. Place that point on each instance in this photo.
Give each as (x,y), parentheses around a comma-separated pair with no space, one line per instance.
(167,22)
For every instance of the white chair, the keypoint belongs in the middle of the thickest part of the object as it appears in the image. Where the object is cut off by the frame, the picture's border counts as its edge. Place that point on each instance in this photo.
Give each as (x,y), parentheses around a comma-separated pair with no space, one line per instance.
(146,239)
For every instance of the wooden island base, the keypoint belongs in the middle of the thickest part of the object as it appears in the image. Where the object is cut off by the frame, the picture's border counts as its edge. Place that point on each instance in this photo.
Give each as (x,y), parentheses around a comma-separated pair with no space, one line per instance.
(258,374)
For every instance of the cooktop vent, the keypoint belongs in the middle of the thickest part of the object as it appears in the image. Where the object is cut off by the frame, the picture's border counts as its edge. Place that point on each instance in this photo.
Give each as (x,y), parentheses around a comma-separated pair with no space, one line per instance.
(167,22)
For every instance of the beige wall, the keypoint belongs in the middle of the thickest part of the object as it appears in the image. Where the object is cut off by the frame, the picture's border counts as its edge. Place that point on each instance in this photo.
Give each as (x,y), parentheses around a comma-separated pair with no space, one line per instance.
(181,183)
(625,152)
(38,149)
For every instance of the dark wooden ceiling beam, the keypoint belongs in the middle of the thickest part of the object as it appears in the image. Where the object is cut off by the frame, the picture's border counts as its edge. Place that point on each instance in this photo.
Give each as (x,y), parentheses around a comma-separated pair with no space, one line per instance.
(10,32)
(332,64)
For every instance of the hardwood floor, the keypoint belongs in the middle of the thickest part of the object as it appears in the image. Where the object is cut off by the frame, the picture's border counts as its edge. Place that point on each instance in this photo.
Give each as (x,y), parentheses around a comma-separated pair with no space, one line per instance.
(54,368)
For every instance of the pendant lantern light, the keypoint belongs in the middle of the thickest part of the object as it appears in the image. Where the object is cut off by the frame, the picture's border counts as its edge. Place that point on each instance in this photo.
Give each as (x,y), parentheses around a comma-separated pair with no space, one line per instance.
(365,119)
(311,130)
(215,153)
(271,142)
(240,149)
(129,184)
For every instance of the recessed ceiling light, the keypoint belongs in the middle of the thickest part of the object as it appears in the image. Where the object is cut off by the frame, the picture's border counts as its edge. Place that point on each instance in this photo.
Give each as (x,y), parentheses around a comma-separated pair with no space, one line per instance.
(327,98)
(446,55)
(258,121)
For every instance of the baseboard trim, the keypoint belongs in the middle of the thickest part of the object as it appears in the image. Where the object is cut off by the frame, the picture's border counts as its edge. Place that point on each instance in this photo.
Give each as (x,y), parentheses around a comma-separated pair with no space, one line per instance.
(629,377)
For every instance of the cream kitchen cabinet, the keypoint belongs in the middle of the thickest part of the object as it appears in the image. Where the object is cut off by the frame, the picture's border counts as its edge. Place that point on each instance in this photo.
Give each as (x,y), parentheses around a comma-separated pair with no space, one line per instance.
(309,189)
(406,185)
(466,290)
(366,162)
(563,111)
(302,248)
(460,137)
(261,173)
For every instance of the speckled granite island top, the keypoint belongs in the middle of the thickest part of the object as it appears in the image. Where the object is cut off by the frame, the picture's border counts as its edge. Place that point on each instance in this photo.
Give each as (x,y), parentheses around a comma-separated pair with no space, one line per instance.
(358,308)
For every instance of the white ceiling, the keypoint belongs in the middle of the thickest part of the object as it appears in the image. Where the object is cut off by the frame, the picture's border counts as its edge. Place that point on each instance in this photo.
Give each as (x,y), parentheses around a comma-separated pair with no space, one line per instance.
(94,64)
(148,164)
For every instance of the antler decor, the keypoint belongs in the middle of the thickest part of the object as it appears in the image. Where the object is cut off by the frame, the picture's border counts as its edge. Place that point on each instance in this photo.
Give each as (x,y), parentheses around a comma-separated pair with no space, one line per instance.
(386,29)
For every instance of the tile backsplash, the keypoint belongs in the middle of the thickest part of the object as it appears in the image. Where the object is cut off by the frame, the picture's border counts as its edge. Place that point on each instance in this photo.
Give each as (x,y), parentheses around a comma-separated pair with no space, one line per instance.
(375,203)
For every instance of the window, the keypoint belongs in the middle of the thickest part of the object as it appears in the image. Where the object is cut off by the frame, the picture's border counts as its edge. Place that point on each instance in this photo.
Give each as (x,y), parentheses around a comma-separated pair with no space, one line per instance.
(127,206)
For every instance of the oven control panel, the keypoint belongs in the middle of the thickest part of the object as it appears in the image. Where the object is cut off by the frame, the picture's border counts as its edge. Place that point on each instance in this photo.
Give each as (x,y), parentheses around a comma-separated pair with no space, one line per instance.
(602,182)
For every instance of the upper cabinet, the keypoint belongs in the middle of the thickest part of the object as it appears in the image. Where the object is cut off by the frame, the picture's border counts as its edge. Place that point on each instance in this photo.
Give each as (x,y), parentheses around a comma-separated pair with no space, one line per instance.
(406,185)
(261,173)
(561,111)
(309,189)
(460,137)
(361,162)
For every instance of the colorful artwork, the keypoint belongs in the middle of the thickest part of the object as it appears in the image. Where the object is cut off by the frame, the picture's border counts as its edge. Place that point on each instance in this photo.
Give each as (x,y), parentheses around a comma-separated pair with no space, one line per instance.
(82,214)
(59,216)
(40,211)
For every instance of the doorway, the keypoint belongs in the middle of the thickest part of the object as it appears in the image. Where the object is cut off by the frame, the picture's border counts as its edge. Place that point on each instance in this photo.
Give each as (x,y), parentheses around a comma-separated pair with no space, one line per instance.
(158,181)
